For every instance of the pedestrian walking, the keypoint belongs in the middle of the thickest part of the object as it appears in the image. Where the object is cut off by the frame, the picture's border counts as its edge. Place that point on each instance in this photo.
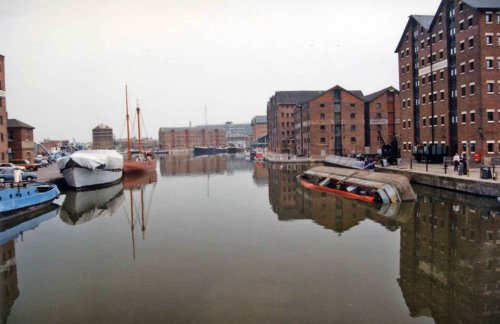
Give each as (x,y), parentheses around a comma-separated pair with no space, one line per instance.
(456,162)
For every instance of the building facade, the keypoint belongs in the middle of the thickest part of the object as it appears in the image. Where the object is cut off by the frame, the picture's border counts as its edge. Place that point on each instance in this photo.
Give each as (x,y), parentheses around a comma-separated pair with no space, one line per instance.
(4,144)
(449,72)
(21,145)
(259,127)
(345,122)
(102,137)
(179,138)
(280,118)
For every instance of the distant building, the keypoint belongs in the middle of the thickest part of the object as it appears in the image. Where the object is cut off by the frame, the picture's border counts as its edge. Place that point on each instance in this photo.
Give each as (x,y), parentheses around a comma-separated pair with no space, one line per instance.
(238,135)
(175,138)
(449,74)
(280,119)
(21,144)
(259,127)
(146,143)
(4,145)
(102,137)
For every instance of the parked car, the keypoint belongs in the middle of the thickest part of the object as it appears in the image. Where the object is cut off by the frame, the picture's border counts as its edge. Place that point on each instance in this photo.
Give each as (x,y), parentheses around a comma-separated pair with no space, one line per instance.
(12,166)
(7,175)
(42,163)
(27,164)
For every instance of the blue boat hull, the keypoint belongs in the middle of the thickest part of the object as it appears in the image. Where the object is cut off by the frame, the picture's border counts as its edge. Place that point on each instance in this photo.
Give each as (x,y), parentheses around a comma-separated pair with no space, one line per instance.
(25,199)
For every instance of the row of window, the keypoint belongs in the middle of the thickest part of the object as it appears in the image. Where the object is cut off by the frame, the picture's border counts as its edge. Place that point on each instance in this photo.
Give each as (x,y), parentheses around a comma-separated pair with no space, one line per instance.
(490,116)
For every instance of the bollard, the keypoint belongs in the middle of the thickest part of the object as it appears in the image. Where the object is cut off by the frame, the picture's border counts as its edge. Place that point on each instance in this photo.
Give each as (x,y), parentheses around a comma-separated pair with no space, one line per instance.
(445,167)
(411,164)
(427,165)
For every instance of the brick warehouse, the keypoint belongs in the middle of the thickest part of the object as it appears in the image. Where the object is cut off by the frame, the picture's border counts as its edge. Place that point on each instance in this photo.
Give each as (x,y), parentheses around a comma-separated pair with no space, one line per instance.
(449,73)
(280,119)
(343,122)
(3,114)
(172,138)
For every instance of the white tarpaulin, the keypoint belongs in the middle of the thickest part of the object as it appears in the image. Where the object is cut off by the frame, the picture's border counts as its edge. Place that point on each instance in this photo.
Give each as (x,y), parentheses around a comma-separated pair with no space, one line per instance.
(92,160)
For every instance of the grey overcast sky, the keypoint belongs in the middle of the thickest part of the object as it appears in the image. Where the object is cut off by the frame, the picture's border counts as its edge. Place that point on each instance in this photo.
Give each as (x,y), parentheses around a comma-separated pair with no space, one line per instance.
(67,61)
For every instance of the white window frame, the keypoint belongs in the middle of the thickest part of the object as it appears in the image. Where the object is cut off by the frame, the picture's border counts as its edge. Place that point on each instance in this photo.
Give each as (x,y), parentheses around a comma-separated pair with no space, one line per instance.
(489,59)
(486,35)
(492,111)
(492,82)
(470,118)
(490,142)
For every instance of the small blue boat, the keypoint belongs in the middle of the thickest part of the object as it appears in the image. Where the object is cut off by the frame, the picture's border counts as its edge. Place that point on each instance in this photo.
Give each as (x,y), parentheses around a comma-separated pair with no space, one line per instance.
(20,199)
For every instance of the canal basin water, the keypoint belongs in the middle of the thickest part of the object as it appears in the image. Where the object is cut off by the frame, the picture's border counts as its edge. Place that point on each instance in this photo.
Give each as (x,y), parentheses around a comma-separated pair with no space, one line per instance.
(216,239)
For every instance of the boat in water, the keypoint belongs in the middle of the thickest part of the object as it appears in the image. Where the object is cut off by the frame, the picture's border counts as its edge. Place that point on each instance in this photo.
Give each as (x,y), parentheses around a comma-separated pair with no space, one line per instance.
(91,168)
(20,199)
(359,184)
(348,162)
(140,161)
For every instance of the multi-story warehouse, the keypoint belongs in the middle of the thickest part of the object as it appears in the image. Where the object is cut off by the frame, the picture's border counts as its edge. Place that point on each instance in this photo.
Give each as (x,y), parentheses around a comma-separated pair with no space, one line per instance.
(449,72)
(102,137)
(174,138)
(259,127)
(345,123)
(3,114)
(21,143)
(280,118)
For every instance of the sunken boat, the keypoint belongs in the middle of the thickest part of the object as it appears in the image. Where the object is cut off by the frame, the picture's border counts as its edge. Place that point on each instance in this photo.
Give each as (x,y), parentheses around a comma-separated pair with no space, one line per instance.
(361,185)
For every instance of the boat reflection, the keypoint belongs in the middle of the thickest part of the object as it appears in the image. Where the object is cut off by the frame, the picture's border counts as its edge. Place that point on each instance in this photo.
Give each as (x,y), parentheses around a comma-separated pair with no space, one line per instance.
(138,213)
(10,231)
(449,244)
(83,206)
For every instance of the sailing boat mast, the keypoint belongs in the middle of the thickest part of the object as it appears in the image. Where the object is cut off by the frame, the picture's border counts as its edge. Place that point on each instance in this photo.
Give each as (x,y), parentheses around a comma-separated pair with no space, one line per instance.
(128,124)
(139,126)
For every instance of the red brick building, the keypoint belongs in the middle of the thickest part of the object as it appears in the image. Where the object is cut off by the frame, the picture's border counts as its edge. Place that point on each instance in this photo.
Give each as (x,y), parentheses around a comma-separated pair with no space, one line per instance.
(343,122)
(449,72)
(102,137)
(259,127)
(172,138)
(21,143)
(4,157)
(280,118)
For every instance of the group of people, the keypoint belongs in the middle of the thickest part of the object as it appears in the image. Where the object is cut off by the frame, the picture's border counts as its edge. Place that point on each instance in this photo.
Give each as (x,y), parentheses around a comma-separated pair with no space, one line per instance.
(460,163)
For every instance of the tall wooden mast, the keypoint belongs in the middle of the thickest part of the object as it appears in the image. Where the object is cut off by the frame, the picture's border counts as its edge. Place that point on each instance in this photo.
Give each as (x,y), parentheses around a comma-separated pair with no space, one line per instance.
(128,124)
(139,126)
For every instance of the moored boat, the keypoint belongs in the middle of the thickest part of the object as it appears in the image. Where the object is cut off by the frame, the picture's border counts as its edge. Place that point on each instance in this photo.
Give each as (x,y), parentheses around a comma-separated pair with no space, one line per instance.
(358,184)
(20,199)
(141,161)
(204,150)
(91,168)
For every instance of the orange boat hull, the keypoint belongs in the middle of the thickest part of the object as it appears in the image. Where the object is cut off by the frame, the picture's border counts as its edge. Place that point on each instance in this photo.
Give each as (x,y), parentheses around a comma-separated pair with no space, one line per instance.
(342,193)
(138,166)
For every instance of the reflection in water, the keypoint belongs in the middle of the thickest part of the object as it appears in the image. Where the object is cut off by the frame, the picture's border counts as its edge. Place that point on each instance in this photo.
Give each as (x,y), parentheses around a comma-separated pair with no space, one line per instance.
(260,174)
(450,244)
(450,258)
(138,213)
(9,290)
(83,206)
(180,165)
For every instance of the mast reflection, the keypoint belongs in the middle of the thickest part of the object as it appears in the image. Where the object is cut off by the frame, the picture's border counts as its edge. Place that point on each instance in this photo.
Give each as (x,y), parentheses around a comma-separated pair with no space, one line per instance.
(138,215)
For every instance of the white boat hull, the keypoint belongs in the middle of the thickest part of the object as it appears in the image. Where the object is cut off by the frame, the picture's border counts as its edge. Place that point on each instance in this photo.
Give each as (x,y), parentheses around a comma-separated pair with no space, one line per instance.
(80,177)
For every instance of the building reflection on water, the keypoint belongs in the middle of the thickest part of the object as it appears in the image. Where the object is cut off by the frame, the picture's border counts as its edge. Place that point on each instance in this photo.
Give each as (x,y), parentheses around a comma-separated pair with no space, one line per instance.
(185,164)
(450,243)
(10,232)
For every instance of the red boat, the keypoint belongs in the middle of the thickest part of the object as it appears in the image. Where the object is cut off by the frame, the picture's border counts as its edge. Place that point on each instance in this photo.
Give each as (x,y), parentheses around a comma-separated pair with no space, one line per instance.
(140,162)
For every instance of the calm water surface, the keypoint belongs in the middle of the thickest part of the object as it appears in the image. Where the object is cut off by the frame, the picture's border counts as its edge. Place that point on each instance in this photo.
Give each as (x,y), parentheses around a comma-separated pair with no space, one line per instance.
(221,240)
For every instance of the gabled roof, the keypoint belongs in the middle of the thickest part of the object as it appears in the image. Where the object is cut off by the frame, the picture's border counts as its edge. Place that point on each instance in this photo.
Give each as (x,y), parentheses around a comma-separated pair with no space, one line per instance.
(356,93)
(424,21)
(377,94)
(294,97)
(14,123)
(483,4)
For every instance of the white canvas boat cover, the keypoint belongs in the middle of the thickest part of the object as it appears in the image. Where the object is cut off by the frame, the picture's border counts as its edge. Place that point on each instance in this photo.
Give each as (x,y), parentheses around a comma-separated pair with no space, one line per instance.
(92,160)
